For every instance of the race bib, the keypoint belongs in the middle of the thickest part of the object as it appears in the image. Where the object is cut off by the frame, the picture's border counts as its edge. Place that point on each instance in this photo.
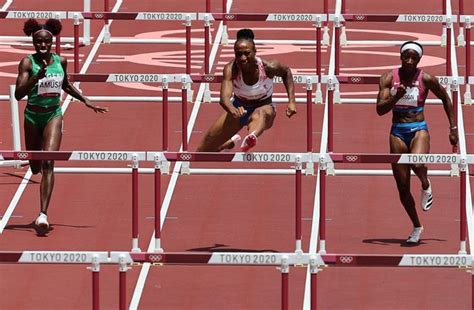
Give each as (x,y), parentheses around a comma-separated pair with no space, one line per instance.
(410,98)
(51,85)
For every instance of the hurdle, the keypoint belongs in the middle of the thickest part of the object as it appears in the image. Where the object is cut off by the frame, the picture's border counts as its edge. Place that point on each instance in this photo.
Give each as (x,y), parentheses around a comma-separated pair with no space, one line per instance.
(164,79)
(334,95)
(283,262)
(149,16)
(289,158)
(45,15)
(466,20)
(185,81)
(92,258)
(443,33)
(454,159)
(318,19)
(120,156)
(339,19)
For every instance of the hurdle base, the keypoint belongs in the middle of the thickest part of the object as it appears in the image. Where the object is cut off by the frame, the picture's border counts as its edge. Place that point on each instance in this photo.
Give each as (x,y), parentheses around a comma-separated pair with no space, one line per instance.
(461,39)
(135,247)
(462,248)
(309,169)
(158,248)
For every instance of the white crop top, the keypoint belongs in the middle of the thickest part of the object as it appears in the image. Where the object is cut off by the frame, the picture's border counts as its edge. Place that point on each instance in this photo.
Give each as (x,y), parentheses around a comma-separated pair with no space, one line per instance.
(256,92)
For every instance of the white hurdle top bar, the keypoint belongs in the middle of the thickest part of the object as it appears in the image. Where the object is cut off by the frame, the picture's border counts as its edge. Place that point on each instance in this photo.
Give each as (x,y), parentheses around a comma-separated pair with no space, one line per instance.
(74,155)
(33,14)
(400,18)
(172,78)
(155,16)
(274,17)
(270,157)
(356,79)
(236,259)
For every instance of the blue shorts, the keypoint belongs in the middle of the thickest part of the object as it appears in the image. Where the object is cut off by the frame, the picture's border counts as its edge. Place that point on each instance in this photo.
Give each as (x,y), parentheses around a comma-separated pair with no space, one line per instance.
(244,120)
(407,131)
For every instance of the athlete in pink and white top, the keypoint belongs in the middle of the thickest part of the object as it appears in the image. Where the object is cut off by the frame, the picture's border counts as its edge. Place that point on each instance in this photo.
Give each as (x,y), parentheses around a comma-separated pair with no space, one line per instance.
(403,91)
(246,97)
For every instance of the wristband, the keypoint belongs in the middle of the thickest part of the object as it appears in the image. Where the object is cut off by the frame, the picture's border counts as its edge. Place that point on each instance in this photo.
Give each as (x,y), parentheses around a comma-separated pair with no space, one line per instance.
(453,128)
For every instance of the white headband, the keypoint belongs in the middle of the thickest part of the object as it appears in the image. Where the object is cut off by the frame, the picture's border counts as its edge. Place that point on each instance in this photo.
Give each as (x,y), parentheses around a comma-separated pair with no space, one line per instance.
(412,46)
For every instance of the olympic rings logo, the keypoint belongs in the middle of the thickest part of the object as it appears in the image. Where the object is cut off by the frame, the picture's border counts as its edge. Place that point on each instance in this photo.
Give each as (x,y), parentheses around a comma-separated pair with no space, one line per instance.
(185,157)
(356,79)
(209,78)
(359,17)
(155,258)
(98,15)
(352,158)
(23,155)
(229,17)
(346,259)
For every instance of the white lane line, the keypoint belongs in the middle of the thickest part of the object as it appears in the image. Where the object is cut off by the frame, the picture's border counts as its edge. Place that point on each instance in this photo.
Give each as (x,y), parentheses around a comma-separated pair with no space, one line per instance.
(462,137)
(19,192)
(6,5)
(313,244)
(172,184)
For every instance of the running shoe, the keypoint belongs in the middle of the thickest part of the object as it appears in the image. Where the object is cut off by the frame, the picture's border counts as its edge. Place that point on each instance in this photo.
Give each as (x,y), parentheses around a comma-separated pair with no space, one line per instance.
(235,139)
(249,142)
(415,235)
(42,221)
(426,198)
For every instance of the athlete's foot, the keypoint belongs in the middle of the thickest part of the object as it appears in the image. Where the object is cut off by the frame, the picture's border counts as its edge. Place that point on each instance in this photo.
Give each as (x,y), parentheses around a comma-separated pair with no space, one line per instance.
(415,235)
(249,142)
(231,143)
(426,198)
(42,221)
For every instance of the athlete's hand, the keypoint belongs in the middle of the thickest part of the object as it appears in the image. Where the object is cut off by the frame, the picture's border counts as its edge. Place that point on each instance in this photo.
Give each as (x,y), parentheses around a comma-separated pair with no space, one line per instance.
(42,71)
(96,108)
(401,91)
(238,112)
(291,109)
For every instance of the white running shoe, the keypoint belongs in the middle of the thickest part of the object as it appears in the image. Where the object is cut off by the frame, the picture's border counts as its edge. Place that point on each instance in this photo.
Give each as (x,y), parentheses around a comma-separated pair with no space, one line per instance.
(42,221)
(236,138)
(415,235)
(426,198)
(249,142)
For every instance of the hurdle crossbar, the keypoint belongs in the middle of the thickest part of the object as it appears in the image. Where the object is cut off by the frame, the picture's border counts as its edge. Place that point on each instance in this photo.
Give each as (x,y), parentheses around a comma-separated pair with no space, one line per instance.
(453,159)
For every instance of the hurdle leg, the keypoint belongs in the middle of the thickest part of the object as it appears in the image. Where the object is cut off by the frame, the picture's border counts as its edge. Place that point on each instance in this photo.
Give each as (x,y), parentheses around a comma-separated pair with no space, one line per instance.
(314,282)
(298,217)
(135,247)
(285,269)
(158,247)
(95,268)
(122,283)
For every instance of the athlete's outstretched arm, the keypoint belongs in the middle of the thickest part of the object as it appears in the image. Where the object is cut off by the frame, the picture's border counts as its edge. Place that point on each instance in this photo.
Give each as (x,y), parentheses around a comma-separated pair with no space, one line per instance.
(73,91)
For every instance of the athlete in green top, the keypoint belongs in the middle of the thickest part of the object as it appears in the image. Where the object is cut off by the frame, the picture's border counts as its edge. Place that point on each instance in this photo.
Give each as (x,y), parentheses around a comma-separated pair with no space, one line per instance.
(42,76)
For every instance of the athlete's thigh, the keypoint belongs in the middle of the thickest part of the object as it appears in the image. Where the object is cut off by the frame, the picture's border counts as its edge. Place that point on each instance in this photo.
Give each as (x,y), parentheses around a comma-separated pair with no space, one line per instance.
(400,172)
(420,143)
(33,136)
(52,134)
(266,112)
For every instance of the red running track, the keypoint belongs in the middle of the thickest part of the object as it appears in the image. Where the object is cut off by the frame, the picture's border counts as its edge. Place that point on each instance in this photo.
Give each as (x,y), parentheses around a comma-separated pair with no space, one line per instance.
(230,213)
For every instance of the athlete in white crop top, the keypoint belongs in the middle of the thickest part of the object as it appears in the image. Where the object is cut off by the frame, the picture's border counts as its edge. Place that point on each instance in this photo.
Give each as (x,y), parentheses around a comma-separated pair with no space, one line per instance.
(246,96)
(403,92)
